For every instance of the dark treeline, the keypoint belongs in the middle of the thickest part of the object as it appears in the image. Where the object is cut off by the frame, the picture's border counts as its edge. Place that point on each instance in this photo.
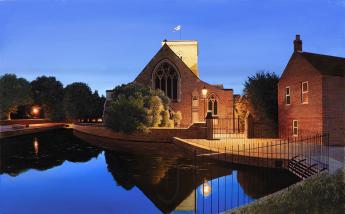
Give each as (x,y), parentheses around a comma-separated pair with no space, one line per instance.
(46,97)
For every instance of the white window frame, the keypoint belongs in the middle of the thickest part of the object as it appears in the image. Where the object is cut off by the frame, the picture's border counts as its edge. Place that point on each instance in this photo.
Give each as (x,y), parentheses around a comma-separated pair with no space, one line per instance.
(304,92)
(295,127)
(287,95)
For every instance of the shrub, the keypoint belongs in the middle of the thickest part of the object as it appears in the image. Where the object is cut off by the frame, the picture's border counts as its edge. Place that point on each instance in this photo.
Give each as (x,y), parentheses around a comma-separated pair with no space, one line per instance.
(126,115)
(134,108)
(165,119)
(177,117)
(156,108)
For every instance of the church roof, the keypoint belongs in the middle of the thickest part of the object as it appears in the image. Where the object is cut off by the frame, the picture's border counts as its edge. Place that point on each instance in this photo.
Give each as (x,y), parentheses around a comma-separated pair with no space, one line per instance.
(326,65)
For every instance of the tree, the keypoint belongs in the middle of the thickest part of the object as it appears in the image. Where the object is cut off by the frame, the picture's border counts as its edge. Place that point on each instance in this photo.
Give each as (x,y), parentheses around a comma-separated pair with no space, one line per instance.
(13,93)
(128,105)
(97,106)
(48,93)
(126,115)
(77,101)
(260,92)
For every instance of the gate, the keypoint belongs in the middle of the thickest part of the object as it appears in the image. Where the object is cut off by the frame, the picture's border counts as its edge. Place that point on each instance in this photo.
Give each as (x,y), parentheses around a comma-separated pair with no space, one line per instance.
(231,127)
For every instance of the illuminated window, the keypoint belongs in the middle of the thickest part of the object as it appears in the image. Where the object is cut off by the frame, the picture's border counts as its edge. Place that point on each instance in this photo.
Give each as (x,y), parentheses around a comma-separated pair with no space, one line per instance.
(295,127)
(212,105)
(165,78)
(287,95)
(304,90)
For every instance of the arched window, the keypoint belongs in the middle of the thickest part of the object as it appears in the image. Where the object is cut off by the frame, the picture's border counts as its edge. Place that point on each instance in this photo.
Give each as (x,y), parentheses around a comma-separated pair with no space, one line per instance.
(213,105)
(165,78)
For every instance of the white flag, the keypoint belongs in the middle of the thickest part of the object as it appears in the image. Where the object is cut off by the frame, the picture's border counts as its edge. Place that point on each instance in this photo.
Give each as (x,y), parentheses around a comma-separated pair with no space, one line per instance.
(177,28)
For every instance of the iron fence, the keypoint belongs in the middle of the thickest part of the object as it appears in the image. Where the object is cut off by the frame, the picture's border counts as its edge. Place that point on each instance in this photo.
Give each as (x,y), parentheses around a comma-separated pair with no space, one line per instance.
(302,155)
(228,127)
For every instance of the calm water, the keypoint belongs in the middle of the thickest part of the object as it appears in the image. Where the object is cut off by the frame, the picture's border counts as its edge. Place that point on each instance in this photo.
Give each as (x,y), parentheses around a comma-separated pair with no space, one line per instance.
(55,172)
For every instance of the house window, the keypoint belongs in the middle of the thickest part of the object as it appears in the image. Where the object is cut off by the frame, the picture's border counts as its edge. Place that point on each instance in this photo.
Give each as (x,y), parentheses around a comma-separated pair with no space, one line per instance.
(212,105)
(287,95)
(165,78)
(295,127)
(304,89)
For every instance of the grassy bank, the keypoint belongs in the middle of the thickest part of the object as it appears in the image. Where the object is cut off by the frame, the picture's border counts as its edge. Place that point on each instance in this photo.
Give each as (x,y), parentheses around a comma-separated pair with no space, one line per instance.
(321,194)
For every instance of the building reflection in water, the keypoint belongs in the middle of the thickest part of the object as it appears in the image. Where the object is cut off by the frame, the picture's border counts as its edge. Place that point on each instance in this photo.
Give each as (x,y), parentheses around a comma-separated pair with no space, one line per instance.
(172,180)
(183,184)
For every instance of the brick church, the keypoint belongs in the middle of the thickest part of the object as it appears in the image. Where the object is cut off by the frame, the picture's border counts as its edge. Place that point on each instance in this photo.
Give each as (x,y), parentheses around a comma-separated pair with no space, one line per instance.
(174,70)
(311,95)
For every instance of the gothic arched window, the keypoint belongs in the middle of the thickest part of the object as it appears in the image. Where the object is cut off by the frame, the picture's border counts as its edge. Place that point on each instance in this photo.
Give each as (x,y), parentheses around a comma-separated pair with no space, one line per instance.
(165,78)
(213,105)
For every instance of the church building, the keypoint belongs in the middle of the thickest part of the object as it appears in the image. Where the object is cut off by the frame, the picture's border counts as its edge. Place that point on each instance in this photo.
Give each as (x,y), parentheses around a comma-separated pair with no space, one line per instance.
(174,70)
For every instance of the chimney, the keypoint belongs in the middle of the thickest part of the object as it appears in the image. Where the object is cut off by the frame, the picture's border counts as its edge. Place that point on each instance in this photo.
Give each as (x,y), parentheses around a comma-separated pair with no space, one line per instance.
(297,44)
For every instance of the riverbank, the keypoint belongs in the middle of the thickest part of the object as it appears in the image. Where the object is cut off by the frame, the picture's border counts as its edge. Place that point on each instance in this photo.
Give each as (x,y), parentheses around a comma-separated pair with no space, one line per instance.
(159,135)
(7,131)
(324,193)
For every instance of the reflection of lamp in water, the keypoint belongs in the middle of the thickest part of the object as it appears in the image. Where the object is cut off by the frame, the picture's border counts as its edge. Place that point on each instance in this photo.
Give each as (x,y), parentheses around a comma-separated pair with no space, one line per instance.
(206,189)
(36,145)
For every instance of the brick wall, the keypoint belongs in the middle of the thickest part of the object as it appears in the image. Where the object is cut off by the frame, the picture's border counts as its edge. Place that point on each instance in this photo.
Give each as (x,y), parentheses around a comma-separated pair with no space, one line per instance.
(196,131)
(334,109)
(309,115)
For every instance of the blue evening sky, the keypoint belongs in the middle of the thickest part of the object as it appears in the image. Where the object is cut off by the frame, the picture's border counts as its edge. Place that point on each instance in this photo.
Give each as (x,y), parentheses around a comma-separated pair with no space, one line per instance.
(105,43)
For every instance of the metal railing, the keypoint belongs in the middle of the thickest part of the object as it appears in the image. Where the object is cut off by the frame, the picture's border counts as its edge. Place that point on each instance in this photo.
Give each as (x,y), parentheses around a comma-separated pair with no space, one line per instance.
(231,127)
(310,152)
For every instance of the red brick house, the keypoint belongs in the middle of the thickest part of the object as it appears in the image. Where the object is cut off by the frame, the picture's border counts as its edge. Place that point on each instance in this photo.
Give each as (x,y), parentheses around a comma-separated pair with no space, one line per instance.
(311,94)
(174,70)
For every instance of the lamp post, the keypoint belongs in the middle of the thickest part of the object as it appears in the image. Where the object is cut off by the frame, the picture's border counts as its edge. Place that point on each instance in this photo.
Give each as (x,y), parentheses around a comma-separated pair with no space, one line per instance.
(35,111)
(204,96)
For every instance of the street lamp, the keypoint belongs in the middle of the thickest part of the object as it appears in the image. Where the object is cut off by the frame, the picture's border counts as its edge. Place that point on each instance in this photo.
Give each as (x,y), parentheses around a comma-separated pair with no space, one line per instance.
(204,96)
(35,111)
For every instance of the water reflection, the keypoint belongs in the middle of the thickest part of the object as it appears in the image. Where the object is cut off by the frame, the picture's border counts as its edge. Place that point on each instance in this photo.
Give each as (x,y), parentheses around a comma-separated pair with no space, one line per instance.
(36,145)
(172,180)
(43,152)
(206,189)
(166,181)
(193,184)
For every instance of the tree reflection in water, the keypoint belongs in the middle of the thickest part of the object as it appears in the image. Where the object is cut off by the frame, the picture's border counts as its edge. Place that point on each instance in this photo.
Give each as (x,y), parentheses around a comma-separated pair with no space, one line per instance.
(43,151)
(171,179)
(171,182)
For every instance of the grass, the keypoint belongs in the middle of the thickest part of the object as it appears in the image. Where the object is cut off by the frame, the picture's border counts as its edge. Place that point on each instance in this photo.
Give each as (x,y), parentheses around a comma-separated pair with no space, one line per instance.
(320,194)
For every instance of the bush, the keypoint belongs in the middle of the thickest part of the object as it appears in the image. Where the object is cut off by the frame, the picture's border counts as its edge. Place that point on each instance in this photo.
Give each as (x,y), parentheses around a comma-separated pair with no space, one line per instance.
(166,122)
(134,108)
(177,117)
(156,109)
(126,115)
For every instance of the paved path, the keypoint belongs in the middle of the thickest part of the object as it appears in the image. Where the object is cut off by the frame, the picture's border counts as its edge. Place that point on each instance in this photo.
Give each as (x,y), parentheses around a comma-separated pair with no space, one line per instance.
(253,151)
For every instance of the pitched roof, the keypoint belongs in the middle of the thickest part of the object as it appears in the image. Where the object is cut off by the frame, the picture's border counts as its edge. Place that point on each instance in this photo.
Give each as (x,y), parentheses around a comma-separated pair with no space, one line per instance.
(326,65)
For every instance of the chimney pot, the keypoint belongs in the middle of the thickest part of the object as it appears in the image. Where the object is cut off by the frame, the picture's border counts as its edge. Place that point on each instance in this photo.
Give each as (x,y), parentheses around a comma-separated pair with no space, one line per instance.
(297,43)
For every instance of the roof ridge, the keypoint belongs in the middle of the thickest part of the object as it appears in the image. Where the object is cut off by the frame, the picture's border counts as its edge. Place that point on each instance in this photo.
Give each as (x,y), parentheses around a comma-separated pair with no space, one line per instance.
(304,52)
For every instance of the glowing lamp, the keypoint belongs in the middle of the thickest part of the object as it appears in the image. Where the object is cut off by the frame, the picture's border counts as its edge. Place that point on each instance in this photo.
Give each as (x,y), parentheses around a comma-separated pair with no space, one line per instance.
(35,110)
(204,92)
